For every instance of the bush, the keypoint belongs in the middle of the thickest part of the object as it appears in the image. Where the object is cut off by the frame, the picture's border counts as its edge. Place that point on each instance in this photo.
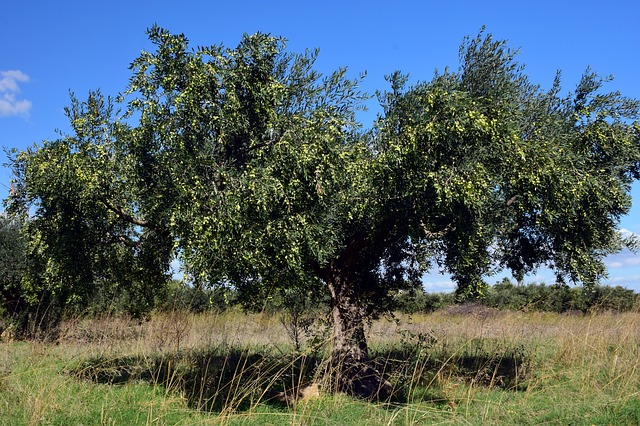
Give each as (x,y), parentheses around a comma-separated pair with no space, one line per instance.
(12,267)
(605,298)
(415,301)
(560,298)
(181,296)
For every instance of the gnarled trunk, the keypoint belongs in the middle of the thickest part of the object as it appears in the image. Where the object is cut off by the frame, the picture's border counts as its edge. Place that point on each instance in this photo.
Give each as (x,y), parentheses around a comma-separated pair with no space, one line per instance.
(350,371)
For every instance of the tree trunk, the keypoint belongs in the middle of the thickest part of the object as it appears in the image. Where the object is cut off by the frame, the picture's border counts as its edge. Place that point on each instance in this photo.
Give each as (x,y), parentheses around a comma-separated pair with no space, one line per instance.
(349,369)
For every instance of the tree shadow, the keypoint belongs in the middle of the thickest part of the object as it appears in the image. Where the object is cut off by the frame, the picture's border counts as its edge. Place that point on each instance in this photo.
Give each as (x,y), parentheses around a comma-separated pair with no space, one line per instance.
(420,375)
(234,379)
(211,380)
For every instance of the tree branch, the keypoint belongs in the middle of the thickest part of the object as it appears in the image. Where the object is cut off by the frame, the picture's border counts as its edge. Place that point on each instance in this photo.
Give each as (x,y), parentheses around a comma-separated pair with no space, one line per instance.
(126,216)
(115,238)
(438,234)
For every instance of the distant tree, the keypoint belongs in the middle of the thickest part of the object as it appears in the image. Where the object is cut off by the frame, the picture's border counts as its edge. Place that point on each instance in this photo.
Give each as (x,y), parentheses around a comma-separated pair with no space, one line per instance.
(12,268)
(252,167)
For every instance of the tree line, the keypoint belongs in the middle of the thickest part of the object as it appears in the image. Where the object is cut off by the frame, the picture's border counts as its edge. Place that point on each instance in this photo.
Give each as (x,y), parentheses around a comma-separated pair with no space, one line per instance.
(250,167)
(532,297)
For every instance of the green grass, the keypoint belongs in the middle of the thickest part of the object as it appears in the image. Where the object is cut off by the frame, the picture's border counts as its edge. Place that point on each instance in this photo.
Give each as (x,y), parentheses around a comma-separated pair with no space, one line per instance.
(38,391)
(479,367)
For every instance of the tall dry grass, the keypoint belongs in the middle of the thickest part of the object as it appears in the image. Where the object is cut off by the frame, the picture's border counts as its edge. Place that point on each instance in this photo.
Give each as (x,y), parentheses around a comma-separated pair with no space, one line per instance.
(462,365)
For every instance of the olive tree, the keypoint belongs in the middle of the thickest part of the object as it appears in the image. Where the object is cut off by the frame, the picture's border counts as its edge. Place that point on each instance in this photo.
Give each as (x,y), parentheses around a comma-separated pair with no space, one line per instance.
(76,203)
(251,167)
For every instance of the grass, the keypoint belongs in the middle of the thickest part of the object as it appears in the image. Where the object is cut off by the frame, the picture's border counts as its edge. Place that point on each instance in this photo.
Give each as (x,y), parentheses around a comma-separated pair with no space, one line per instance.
(458,366)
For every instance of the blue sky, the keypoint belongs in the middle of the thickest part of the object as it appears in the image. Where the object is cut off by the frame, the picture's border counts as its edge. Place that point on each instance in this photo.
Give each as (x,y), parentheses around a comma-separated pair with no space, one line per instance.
(50,48)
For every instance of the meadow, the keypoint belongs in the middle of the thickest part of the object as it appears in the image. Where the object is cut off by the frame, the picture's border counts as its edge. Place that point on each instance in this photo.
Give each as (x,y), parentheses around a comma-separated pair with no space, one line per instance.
(462,365)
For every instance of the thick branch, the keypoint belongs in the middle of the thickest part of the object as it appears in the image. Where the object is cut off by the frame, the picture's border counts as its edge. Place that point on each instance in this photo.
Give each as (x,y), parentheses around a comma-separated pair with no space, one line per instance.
(117,238)
(126,216)
(347,258)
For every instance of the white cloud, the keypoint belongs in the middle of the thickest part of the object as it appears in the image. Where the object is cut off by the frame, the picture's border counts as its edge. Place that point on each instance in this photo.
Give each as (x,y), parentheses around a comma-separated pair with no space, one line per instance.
(438,285)
(624,259)
(10,104)
(631,282)
(626,233)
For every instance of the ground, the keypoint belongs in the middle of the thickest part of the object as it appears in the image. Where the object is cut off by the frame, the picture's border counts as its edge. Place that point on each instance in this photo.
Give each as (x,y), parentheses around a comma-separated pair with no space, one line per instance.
(451,367)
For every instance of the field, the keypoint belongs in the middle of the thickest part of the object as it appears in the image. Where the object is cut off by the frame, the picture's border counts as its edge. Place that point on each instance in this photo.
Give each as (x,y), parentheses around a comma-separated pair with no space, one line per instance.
(464,365)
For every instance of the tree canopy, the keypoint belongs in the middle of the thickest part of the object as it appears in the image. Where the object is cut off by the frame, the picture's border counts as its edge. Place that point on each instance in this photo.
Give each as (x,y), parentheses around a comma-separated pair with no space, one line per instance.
(251,167)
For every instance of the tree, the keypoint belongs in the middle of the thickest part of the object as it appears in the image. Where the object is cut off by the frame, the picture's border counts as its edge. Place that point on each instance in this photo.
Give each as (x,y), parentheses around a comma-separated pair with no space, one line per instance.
(12,268)
(73,198)
(252,167)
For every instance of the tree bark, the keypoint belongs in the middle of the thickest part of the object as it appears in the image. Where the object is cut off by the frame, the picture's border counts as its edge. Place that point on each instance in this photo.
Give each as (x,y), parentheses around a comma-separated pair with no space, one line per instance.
(349,368)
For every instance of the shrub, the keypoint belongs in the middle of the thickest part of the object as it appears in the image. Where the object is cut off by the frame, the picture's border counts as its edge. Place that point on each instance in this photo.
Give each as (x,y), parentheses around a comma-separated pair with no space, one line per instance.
(560,298)
(414,301)
(181,296)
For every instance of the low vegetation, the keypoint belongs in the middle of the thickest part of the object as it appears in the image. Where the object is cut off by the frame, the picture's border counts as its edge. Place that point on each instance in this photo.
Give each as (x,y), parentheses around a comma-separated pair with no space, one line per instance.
(530,297)
(466,364)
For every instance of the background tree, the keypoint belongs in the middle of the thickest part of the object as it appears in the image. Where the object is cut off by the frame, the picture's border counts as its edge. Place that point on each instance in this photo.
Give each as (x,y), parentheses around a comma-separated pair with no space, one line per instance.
(12,268)
(252,167)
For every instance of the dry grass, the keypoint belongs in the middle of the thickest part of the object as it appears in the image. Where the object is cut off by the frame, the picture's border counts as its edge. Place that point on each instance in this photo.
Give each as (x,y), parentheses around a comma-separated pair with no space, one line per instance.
(490,323)
(174,331)
(463,365)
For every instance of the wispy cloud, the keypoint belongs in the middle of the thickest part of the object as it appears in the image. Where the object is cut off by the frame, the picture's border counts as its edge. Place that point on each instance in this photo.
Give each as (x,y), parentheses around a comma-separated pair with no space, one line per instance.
(630,281)
(10,103)
(433,283)
(625,258)
(628,234)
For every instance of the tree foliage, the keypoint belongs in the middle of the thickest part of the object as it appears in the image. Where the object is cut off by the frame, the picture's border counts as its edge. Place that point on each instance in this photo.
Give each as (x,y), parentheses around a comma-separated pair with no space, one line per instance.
(12,268)
(73,196)
(509,173)
(251,167)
